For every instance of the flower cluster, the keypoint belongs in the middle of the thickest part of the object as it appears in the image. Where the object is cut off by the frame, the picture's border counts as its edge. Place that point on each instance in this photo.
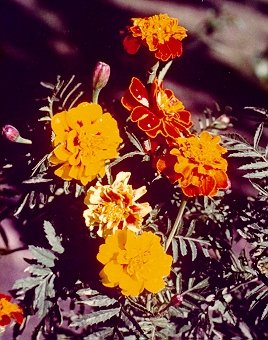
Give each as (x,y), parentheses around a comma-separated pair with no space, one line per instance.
(113,207)
(9,311)
(134,262)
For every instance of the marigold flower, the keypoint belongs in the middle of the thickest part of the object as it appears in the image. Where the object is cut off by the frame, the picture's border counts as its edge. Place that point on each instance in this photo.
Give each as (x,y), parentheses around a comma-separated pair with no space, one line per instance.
(156,112)
(200,168)
(9,311)
(112,207)
(160,33)
(134,262)
(85,138)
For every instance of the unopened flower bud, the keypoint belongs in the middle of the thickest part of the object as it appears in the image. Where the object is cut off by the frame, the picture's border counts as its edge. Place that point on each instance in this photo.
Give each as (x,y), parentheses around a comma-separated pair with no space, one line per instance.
(12,134)
(176,300)
(101,75)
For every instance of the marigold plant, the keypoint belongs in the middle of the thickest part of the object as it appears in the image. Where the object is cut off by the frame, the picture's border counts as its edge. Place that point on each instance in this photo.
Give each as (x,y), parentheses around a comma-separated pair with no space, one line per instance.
(134,262)
(157,111)
(161,34)
(112,207)
(85,138)
(9,311)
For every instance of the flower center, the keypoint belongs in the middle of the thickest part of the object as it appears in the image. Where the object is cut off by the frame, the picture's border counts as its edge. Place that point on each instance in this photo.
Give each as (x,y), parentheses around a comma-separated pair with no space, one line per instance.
(136,263)
(199,153)
(113,212)
(170,105)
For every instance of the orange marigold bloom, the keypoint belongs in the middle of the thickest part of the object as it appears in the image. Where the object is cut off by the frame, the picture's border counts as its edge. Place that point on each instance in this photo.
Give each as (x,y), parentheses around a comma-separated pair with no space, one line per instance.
(200,168)
(156,112)
(112,207)
(134,262)
(85,138)
(9,311)
(160,33)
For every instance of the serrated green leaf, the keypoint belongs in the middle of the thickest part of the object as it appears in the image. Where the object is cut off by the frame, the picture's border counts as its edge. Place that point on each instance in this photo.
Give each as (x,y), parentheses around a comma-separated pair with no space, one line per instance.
(205,252)
(43,294)
(258,298)
(26,283)
(94,317)
(54,241)
(252,154)
(43,256)
(238,147)
(37,179)
(98,301)
(259,174)
(175,250)
(183,247)
(201,284)
(191,228)
(101,334)
(264,313)
(38,270)
(193,249)
(257,136)
(261,190)
(254,166)
(87,291)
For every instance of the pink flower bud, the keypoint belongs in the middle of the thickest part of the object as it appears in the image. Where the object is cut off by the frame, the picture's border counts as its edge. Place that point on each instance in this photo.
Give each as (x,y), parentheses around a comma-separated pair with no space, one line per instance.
(176,300)
(101,75)
(12,134)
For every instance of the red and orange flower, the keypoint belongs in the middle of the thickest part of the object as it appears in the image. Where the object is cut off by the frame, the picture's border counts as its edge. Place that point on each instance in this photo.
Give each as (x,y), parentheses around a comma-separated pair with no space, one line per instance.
(161,34)
(156,112)
(9,311)
(196,163)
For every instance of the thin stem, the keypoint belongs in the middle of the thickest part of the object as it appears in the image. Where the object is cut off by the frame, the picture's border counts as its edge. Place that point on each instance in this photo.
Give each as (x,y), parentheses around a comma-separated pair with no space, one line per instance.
(95,96)
(152,73)
(177,223)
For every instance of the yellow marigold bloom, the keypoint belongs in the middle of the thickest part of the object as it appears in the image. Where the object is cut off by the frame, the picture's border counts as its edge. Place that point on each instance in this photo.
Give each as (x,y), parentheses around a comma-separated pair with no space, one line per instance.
(200,167)
(85,138)
(112,207)
(9,311)
(160,33)
(134,262)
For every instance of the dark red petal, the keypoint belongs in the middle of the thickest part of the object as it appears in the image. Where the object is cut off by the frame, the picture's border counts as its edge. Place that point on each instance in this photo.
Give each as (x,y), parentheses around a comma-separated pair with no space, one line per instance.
(4,320)
(171,130)
(6,297)
(191,191)
(175,47)
(138,90)
(163,52)
(131,45)
(146,119)
(18,316)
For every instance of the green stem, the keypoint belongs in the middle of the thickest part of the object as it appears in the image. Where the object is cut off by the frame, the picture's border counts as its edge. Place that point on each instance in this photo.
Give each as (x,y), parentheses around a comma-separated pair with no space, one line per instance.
(177,223)
(95,95)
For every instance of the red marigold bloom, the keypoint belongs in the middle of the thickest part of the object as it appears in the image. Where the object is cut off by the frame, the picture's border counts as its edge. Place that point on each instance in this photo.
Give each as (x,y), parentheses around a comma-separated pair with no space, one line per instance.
(200,168)
(156,112)
(160,33)
(9,311)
